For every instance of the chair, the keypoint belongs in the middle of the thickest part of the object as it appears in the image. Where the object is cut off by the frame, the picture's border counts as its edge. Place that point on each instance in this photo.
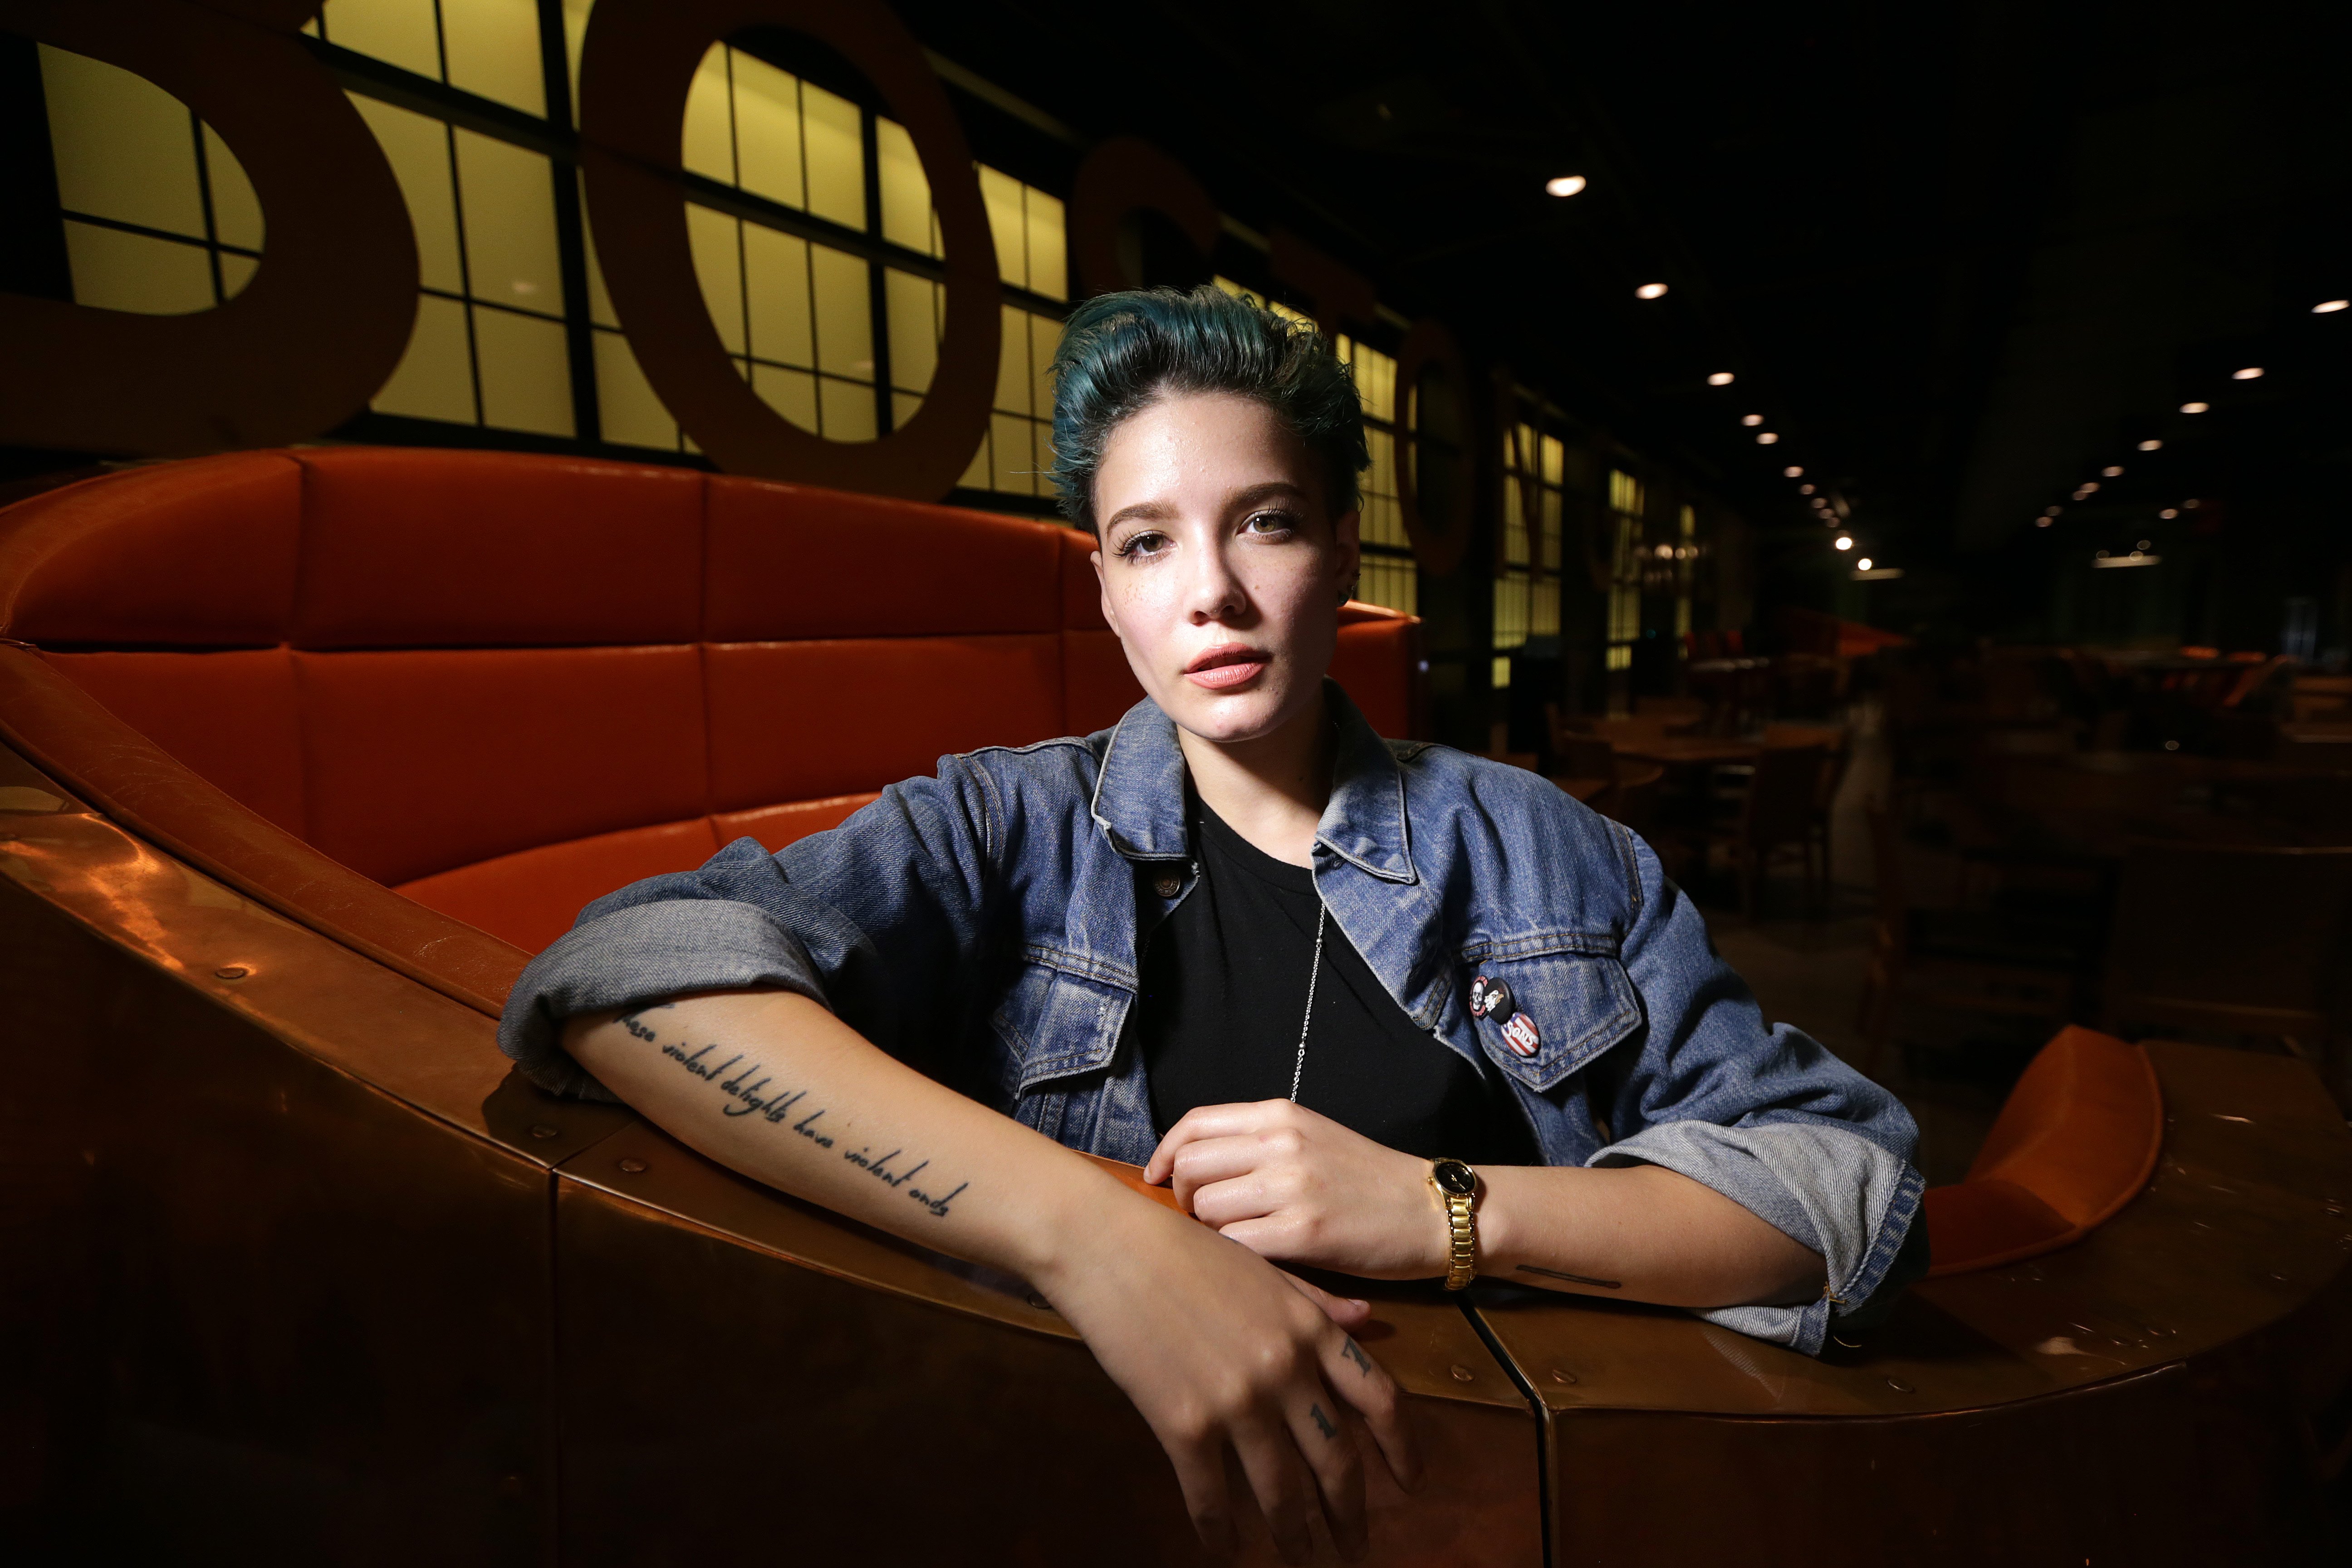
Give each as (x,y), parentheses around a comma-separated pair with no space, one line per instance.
(2077,1139)
(1970,960)
(1633,799)
(1775,811)
(2247,940)
(1837,741)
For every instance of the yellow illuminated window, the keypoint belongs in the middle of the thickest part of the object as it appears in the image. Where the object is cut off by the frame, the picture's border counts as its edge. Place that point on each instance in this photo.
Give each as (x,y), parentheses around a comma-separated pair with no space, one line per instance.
(489,345)
(1625,501)
(1527,591)
(158,216)
(1389,575)
(488,47)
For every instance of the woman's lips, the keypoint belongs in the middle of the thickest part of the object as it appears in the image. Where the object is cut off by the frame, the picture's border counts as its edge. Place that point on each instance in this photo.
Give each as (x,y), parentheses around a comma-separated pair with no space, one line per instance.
(1222,669)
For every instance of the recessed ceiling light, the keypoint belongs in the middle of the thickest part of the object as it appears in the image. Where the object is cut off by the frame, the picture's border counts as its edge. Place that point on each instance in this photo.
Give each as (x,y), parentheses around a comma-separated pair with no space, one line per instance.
(2112,471)
(1564,184)
(1751,419)
(2087,488)
(2194,407)
(1766,439)
(2252,373)
(1804,489)
(2055,511)
(1862,565)
(1792,472)
(2170,513)
(2144,544)
(1844,541)
(2329,307)
(2150,446)
(2191,504)
(1651,292)
(1720,378)
(2043,521)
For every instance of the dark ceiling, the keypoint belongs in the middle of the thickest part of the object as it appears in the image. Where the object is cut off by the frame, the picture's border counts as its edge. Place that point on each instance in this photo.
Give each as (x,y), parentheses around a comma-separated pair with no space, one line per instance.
(1961,257)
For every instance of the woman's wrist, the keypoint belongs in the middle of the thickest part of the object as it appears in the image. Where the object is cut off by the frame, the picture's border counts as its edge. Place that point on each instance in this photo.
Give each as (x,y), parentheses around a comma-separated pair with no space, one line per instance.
(1090,1225)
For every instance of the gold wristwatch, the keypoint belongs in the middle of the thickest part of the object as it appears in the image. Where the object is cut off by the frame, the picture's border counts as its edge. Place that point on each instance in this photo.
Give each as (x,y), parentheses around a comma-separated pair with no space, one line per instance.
(1457,1190)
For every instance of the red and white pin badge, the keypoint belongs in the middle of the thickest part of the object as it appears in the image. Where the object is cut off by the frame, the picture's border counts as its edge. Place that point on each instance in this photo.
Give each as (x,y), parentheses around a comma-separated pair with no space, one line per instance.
(1520,1035)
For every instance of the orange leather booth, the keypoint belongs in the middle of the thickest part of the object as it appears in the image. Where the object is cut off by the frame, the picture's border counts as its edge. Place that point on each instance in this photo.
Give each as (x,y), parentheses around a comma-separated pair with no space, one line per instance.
(305,750)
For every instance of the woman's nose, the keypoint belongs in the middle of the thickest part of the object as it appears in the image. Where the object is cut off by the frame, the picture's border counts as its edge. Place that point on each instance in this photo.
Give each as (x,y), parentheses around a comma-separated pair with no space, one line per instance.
(1215,592)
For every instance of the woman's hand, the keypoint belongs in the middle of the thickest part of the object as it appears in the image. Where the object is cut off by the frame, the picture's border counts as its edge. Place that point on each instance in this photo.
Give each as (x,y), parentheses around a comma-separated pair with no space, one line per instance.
(1219,1350)
(1297,1187)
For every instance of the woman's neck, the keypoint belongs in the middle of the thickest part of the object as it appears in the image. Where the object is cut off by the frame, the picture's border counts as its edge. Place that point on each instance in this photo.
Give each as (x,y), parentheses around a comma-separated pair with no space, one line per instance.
(1270,790)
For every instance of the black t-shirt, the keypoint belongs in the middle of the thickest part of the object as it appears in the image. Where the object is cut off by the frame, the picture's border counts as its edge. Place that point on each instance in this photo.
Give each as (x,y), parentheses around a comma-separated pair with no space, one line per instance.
(1225,989)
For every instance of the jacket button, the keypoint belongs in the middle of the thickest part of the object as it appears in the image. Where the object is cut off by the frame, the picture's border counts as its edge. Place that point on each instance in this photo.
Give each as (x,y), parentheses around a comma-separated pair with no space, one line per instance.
(1169,885)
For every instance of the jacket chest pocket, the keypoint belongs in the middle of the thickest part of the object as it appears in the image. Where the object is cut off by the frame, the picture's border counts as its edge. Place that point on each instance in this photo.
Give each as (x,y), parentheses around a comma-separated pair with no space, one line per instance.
(1055,1023)
(1563,1010)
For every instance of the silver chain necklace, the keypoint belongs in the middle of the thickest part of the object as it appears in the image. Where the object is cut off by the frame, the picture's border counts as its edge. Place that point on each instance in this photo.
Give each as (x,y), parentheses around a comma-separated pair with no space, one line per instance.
(1298,1069)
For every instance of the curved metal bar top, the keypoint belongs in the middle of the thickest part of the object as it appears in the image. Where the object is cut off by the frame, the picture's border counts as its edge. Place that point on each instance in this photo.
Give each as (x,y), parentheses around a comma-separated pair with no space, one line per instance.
(302,1251)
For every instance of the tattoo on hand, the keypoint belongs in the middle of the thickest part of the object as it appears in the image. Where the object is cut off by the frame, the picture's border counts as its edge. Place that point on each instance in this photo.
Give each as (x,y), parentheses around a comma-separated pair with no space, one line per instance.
(1322,1421)
(748,1095)
(1571,1278)
(1355,1352)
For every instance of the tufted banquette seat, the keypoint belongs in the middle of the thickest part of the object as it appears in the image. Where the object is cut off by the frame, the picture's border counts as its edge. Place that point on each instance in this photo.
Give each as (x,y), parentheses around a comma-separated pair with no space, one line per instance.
(502,685)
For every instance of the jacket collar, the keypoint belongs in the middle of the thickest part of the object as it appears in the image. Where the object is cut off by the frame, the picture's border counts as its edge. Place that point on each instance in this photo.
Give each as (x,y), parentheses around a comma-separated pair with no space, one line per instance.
(1140,793)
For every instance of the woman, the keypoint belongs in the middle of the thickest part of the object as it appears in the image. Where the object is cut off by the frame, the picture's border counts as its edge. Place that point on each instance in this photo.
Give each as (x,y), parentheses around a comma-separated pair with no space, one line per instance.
(1299,971)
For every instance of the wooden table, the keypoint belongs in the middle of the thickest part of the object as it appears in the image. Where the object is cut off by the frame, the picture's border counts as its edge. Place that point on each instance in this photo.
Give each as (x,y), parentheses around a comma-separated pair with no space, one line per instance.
(1691,751)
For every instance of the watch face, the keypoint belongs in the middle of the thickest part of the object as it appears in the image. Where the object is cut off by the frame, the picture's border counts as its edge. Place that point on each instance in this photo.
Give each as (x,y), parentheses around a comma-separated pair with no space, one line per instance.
(1458,1178)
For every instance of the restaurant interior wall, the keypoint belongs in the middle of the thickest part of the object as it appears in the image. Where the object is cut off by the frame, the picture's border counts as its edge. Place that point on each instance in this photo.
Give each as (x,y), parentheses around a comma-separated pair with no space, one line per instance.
(820,260)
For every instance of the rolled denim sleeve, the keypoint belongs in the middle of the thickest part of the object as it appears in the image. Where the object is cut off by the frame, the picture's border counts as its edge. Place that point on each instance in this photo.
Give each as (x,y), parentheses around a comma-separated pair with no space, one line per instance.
(1767,1116)
(842,917)
(1825,1188)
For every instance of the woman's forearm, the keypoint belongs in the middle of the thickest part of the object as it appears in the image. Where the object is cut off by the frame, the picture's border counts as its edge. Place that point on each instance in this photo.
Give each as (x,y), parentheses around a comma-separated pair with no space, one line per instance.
(773,1085)
(1640,1232)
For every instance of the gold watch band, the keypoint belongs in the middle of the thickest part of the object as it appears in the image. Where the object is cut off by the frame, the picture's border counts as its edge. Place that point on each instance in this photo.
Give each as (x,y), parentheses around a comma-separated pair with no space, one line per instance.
(1457,1189)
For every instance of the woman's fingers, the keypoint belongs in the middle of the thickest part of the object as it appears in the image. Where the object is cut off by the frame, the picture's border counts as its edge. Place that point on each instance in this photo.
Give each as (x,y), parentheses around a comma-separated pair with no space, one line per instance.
(1348,1311)
(1366,1384)
(1326,1435)
(1206,1122)
(1199,1461)
(1209,1161)
(1270,1457)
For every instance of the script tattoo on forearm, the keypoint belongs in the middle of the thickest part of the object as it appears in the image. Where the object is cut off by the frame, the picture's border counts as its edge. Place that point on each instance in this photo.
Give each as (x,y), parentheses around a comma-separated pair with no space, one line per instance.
(1355,1352)
(1571,1278)
(746,1085)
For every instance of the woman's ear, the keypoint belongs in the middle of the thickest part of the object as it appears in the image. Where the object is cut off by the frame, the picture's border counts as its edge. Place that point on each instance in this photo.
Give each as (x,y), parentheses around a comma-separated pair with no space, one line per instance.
(1102,585)
(1347,553)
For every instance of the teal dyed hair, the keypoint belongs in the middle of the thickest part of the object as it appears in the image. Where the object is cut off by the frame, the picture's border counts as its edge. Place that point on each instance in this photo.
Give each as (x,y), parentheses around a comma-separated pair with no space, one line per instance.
(1121,353)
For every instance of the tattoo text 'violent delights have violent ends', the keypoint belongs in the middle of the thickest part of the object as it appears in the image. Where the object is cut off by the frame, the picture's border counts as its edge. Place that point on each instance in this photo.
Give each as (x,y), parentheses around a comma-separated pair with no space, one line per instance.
(746,1086)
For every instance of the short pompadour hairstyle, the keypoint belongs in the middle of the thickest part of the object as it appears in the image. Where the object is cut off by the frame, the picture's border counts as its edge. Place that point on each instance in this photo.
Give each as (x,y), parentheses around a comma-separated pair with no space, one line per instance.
(1121,353)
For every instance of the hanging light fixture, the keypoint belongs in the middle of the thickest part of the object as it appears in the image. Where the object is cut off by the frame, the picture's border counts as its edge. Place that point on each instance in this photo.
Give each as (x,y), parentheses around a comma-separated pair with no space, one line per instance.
(1720,378)
(1563,184)
(1651,292)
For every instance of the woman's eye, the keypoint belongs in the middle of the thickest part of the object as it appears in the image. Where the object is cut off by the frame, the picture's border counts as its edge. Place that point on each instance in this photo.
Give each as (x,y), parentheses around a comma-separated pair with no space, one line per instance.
(1141,545)
(1271,523)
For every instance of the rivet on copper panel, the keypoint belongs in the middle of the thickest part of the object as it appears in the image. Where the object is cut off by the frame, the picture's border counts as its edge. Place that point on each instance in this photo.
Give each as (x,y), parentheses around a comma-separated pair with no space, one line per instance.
(1463,1374)
(233,971)
(633,1167)
(1559,1375)
(543,1131)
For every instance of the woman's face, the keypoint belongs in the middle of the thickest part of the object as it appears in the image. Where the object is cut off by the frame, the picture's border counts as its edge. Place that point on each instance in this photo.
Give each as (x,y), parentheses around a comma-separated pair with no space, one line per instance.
(1221,570)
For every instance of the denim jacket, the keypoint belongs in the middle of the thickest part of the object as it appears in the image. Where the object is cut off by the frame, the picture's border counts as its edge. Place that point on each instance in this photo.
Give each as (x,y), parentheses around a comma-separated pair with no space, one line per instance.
(987,927)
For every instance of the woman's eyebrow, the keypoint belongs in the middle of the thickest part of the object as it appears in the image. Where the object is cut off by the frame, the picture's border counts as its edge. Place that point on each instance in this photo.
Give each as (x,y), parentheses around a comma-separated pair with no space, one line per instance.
(1141,512)
(1265,491)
